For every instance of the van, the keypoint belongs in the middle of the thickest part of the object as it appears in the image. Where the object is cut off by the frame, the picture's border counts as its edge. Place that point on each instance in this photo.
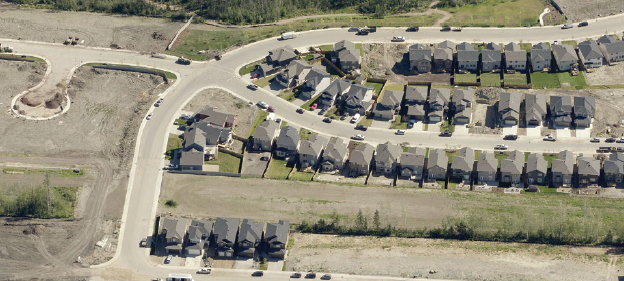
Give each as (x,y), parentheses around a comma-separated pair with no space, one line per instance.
(355,118)
(288,35)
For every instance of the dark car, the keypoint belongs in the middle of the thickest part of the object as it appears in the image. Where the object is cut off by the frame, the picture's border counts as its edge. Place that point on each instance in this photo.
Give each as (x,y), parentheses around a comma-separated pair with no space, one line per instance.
(344,116)
(445,29)
(310,275)
(258,273)
(361,127)
(510,137)
(610,140)
(300,110)
(446,134)
(412,29)
(327,120)
(326,277)
(295,275)
(252,86)
(322,111)
(620,140)
(583,24)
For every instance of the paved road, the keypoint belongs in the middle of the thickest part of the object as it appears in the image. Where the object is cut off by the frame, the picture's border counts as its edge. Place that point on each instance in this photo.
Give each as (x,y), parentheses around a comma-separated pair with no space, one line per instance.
(131,262)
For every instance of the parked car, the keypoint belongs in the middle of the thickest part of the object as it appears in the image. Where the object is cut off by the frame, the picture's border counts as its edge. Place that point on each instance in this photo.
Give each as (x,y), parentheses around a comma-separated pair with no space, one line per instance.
(457,29)
(182,127)
(619,149)
(149,116)
(322,111)
(168,259)
(204,271)
(300,110)
(446,134)
(271,109)
(326,277)
(313,106)
(327,120)
(355,118)
(501,147)
(620,140)
(510,137)
(444,29)
(344,116)
(143,242)
(311,275)
(594,140)
(583,24)
(567,26)
(610,140)
(550,138)
(171,167)
(354,29)
(258,273)
(412,29)
(296,275)
(361,127)
(400,132)
(158,102)
(398,39)
(252,86)
(357,137)
(185,116)
(263,105)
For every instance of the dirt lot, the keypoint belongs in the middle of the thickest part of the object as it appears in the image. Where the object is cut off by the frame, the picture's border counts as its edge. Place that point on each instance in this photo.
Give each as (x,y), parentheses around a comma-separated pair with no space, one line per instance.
(391,61)
(97,30)
(273,200)
(605,75)
(580,10)
(463,260)
(484,114)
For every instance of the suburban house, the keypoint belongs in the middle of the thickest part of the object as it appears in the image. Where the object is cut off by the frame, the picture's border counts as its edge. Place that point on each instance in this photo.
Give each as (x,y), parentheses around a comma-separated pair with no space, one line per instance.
(565,56)
(276,238)
(192,160)
(588,171)
(214,135)
(316,81)
(590,54)
(389,106)
(446,44)
(332,93)
(416,112)
(358,99)
(462,105)
(584,110)
(276,59)
(613,171)
(194,139)
(511,168)
(437,163)
(264,135)
(535,108)
(491,57)
(416,94)
(563,168)
(310,151)
(540,56)
(515,57)
(611,48)
(192,155)
(467,57)
(486,168)
(218,118)
(419,58)
(536,169)
(360,159)
(463,164)
(287,143)
(412,163)
(334,156)
(249,238)
(198,237)
(224,233)
(561,110)
(443,59)
(172,233)
(438,104)
(387,158)
(294,74)
(509,108)
(345,55)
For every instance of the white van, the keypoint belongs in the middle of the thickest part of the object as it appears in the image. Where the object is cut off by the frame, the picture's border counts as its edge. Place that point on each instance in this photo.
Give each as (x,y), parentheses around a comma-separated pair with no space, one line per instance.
(355,118)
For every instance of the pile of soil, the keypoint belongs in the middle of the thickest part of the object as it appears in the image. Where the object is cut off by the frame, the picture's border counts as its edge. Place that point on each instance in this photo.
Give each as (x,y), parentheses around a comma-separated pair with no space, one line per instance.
(55,102)
(487,95)
(36,229)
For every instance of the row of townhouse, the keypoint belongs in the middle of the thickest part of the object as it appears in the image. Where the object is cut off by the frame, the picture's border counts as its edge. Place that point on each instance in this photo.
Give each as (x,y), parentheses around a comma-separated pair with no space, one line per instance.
(229,236)
(564,110)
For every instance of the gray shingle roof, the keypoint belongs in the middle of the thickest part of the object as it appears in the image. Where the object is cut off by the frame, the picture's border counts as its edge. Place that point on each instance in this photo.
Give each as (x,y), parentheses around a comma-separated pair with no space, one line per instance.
(415,156)
(585,106)
(387,152)
(540,52)
(314,77)
(277,233)
(419,52)
(465,46)
(493,46)
(606,39)
(356,94)
(617,47)
(513,46)
(266,131)
(192,158)
(212,132)
(283,53)
(560,105)
(416,110)
(588,166)
(447,44)
(313,146)
(362,155)
(336,149)
(470,55)
(618,156)
(564,164)
(175,228)
(391,98)
(535,105)
(491,55)
(225,229)
(194,136)
(564,52)
(513,52)
(536,162)
(513,164)
(437,158)
(293,70)
(590,50)
(443,54)
(346,51)
(439,96)
(487,162)
(465,160)
(509,105)
(463,95)
(289,136)
(335,87)
(613,167)
(416,93)
(250,231)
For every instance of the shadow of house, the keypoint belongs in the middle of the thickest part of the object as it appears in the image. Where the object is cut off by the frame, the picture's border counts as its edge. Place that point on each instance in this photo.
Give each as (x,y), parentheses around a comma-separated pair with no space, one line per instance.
(225,232)
(172,232)
(402,67)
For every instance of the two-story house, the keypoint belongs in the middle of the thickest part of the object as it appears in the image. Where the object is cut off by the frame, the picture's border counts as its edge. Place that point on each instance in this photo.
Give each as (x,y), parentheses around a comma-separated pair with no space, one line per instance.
(287,143)
(294,74)
(590,54)
(462,105)
(486,168)
(515,57)
(419,58)
(437,164)
(509,108)
(344,54)
(584,111)
(540,56)
(198,237)
(536,169)
(360,160)
(463,164)
(613,171)
(389,105)
(310,151)
(491,57)
(215,117)
(192,156)
(334,156)
(214,135)
(511,168)
(565,57)
(249,238)
(563,169)
(276,59)
(611,48)
(224,233)
(316,81)
(588,171)
(438,104)
(412,163)
(387,158)
(535,108)
(358,99)
(443,60)
(467,57)
(265,135)
(561,110)
(332,93)
(276,238)
(415,100)
(172,233)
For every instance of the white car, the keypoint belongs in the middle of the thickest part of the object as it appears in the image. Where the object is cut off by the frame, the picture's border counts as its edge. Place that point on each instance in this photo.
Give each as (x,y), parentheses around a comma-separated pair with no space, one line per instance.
(149,116)
(550,138)
(263,105)
(204,271)
(168,259)
(400,132)
(501,147)
(398,39)
(358,137)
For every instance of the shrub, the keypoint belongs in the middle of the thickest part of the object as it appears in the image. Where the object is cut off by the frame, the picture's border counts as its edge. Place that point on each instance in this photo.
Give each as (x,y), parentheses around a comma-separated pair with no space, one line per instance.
(171,203)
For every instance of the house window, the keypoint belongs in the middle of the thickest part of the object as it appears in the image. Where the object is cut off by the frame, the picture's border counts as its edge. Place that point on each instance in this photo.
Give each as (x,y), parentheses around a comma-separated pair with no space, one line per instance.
(531,180)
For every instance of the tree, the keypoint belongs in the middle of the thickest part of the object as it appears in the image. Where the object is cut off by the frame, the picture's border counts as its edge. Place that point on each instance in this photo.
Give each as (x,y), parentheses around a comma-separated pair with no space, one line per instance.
(376,221)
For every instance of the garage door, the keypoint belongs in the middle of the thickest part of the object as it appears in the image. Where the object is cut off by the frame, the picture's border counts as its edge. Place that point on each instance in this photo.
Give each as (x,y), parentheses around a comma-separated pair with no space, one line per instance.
(510,122)
(194,252)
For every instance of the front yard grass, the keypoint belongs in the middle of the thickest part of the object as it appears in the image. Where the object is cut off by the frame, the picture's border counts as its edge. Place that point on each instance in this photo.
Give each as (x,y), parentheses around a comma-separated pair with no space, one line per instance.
(397,124)
(249,68)
(490,80)
(309,103)
(366,121)
(259,118)
(306,134)
(496,13)
(264,81)
(301,176)
(577,82)
(181,122)
(540,80)
(227,163)
(467,78)
(450,155)
(500,157)
(549,158)
(278,169)
(174,142)
(516,79)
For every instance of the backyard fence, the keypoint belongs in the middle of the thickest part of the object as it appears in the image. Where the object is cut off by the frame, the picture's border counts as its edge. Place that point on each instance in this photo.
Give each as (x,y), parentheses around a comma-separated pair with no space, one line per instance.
(204,173)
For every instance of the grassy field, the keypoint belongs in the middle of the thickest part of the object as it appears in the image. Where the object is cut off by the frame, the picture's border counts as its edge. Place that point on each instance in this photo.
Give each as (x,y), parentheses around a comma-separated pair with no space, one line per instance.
(278,169)
(490,80)
(576,82)
(496,13)
(259,118)
(516,79)
(301,176)
(174,142)
(468,77)
(539,80)
(30,201)
(227,163)
(65,173)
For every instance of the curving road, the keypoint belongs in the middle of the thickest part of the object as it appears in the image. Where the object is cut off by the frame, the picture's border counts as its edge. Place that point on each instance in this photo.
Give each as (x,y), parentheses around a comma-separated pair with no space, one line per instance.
(130,261)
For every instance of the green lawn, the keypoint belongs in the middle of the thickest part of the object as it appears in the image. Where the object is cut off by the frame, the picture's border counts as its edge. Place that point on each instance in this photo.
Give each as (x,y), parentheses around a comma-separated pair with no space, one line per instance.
(490,80)
(570,42)
(301,176)
(366,121)
(309,103)
(259,118)
(395,87)
(516,79)
(181,122)
(549,158)
(397,124)
(468,77)
(450,155)
(174,142)
(376,87)
(539,80)
(227,163)
(577,82)
(500,157)
(526,46)
(306,134)
(496,13)
(248,68)
(264,81)
(325,48)
(278,169)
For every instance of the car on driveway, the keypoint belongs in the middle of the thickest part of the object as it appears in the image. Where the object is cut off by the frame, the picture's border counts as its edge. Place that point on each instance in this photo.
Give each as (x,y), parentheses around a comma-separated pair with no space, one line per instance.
(327,120)
(550,138)
(313,106)
(252,86)
(311,275)
(501,147)
(295,275)
(322,111)
(300,110)
(398,39)
(510,137)
(204,271)
(412,29)
(446,134)
(444,29)
(594,140)
(610,140)
(326,277)
(263,105)
(400,132)
(361,127)
(357,137)
(258,273)
(271,109)
(168,259)
(149,116)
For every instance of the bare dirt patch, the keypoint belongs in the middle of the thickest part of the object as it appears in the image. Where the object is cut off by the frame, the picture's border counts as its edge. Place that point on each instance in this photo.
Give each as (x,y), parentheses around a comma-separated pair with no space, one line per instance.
(606,75)
(580,10)
(464,260)
(485,112)
(97,30)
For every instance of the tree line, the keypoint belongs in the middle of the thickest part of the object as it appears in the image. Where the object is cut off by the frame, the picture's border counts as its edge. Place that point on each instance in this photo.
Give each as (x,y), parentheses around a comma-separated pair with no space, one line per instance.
(40,201)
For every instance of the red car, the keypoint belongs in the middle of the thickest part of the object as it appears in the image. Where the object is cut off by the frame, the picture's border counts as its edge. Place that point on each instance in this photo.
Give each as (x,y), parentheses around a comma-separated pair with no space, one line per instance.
(271,109)
(313,107)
